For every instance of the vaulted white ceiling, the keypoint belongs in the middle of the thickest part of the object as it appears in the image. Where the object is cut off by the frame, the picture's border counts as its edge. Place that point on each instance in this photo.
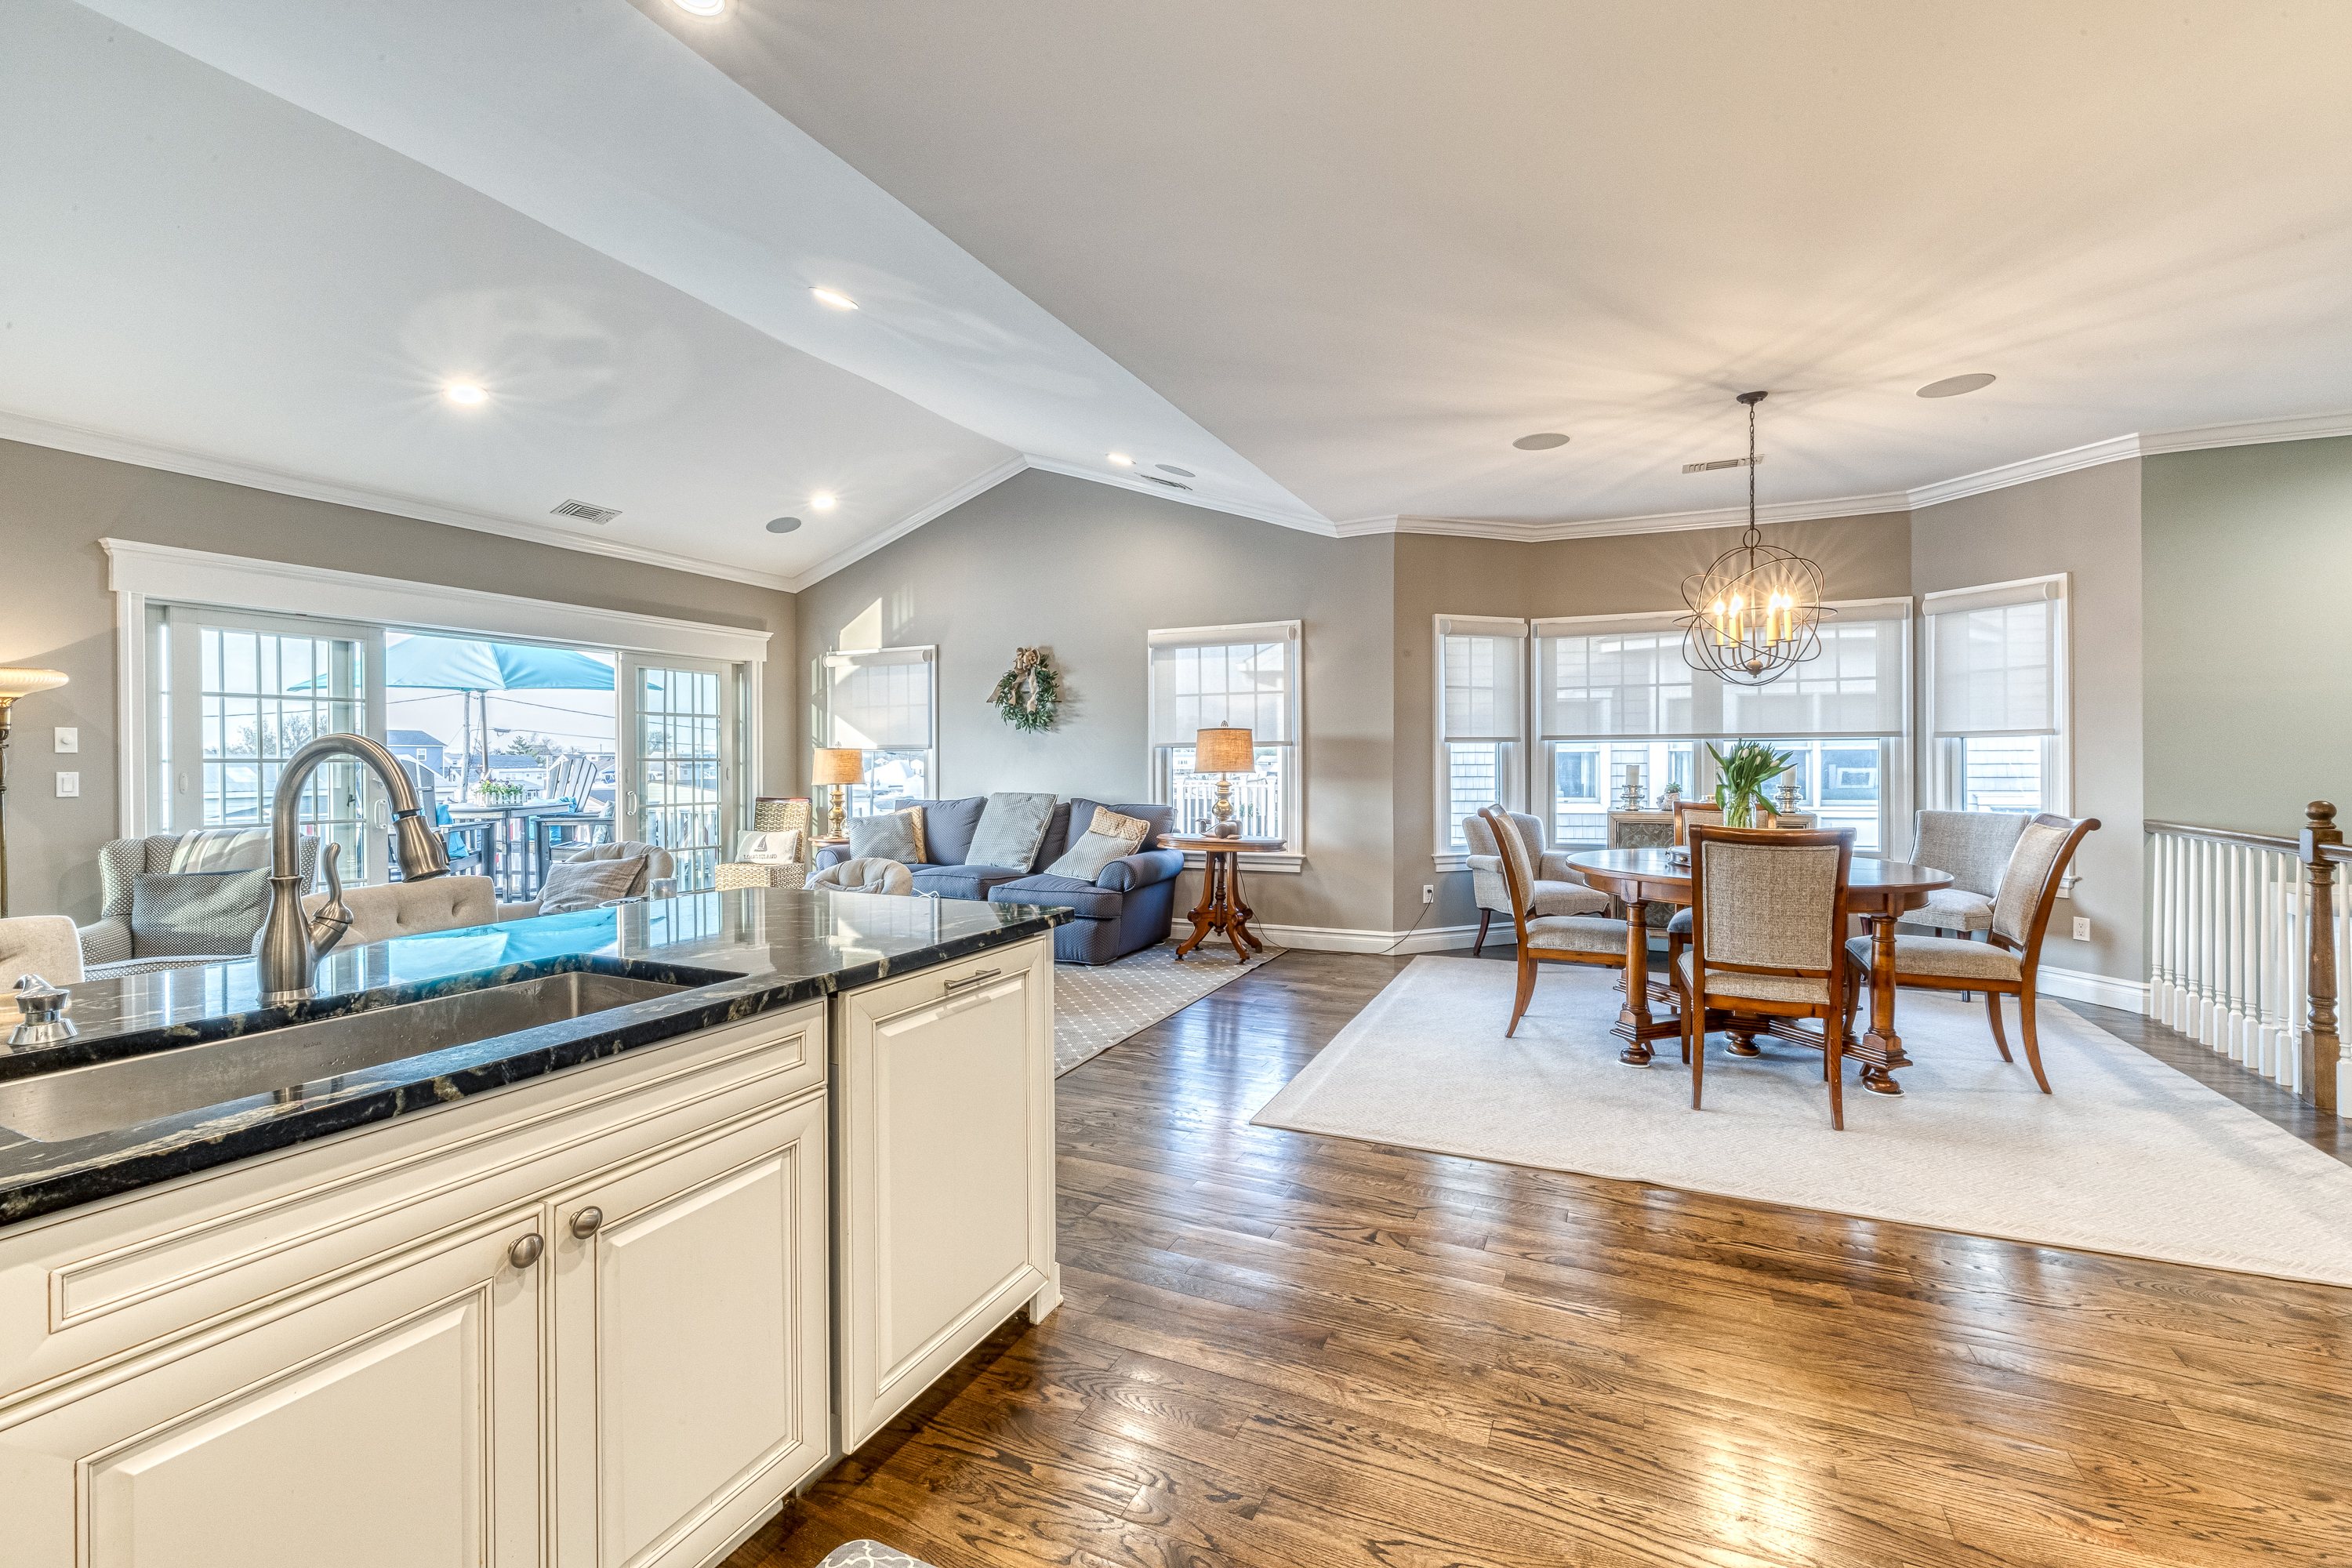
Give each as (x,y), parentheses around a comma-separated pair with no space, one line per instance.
(1332,258)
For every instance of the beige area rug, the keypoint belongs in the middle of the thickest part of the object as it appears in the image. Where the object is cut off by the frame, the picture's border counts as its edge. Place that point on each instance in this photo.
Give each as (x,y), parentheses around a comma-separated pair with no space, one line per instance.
(2126,1156)
(1096,1006)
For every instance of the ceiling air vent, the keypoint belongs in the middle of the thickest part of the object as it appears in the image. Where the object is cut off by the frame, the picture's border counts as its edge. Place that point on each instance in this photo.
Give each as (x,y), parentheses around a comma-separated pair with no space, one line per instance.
(1718,463)
(581,508)
(1156,480)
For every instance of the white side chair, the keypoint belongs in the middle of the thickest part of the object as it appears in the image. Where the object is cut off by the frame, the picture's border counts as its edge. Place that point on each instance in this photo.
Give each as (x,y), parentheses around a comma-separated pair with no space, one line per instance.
(1555,889)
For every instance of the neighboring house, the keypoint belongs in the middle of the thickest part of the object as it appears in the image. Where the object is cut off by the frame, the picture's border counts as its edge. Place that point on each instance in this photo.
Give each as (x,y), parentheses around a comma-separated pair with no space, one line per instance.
(427,752)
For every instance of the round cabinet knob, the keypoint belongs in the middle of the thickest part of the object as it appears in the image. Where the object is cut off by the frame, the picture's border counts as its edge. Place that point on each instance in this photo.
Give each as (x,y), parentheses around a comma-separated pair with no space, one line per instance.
(585,1223)
(525,1252)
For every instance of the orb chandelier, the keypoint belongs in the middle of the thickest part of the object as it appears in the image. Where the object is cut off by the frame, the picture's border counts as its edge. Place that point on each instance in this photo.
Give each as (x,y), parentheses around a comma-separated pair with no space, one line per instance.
(1755,614)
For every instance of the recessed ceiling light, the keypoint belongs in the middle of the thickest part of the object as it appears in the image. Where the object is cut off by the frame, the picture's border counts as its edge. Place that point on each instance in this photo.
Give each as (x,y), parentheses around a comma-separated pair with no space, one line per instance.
(1953,385)
(834,298)
(783,524)
(700,7)
(1122,459)
(1172,469)
(822,500)
(1543,442)
(465,392)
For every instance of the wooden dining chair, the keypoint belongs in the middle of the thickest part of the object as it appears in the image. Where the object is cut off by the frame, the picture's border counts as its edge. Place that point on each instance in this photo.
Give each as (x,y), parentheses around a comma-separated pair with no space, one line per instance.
(1558,939)
(1767,919)
(2005,965)
(1706,814)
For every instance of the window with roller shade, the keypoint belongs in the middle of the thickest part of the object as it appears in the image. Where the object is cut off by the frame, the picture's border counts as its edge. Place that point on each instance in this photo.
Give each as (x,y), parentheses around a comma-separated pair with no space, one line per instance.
(1997,697)
(881,701)
(1611,690)
(1238,676)
(1482,718)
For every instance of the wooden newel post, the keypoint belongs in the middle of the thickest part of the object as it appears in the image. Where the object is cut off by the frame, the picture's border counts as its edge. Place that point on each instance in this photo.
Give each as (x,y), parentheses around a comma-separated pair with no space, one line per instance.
(2322,1048)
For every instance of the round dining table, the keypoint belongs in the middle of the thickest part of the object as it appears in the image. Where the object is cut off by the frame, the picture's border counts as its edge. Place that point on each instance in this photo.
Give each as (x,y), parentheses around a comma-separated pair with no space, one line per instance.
(1877,890)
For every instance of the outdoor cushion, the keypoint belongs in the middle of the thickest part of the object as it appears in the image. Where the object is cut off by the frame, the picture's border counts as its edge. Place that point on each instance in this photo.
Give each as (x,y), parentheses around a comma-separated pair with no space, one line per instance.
(1088,901)
(1577,933)
(197,912)
(1946,955)
(1951,909)
(892,836)
(947,827)
(1011,829)
(582,883)
(1762,987)
(963,881)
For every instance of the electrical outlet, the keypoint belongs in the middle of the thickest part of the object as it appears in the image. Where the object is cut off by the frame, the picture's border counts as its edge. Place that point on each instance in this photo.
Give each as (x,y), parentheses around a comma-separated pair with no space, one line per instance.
(69,739)
(2082,927)
(1429,892)
(68,787)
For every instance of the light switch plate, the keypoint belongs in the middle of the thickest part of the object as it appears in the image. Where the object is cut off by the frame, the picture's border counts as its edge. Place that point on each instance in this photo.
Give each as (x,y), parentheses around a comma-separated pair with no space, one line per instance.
(69,739)
(2082,927)
(68,787)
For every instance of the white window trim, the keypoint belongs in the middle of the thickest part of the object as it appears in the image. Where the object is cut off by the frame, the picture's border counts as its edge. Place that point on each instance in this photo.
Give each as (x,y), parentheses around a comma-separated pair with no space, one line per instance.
(138,571)
(930,657)
(2061,753)
(1288,862)
(1516,775)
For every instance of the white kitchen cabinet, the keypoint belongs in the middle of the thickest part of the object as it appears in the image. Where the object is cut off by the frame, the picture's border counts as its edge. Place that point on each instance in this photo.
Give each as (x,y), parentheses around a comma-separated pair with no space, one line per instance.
(390,1421)
(943,1094)
(689,1341)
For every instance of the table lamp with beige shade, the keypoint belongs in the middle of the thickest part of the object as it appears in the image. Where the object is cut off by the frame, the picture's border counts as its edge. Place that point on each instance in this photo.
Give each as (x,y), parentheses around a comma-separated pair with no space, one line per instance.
(16,683)
(837,766)
(1224,753)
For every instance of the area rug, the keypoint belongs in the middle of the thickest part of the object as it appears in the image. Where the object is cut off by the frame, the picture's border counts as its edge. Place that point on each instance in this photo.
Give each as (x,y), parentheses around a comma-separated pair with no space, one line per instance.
(2126,1156)
(1097,1005)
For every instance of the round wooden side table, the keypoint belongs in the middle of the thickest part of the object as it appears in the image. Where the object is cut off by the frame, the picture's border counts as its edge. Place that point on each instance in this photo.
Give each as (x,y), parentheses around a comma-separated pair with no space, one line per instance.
(1222,907)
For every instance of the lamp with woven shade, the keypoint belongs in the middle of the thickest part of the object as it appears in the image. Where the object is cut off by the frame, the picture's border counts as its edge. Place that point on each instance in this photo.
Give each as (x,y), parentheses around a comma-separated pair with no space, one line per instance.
(16,683)
(837,766)
(1224,753)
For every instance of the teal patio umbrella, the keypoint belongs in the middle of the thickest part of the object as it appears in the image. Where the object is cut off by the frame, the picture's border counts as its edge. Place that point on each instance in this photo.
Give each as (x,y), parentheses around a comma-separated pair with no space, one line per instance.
(475,666)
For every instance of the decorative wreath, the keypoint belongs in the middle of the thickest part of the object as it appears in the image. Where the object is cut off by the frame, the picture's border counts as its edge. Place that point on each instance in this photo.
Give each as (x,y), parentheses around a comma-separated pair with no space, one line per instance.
(1027,694)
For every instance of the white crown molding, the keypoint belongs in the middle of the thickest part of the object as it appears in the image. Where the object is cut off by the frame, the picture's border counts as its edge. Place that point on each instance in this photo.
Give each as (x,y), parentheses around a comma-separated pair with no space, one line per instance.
(978,485)
(2025,471)
(2252,432)
(144,454)
(1606,527)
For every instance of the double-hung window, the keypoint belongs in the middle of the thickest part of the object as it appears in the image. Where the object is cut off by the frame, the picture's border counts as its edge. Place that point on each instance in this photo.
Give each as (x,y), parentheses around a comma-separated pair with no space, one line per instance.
(1242,677)
(1614,692)
(1482,717)
(1997,697)
(881,701)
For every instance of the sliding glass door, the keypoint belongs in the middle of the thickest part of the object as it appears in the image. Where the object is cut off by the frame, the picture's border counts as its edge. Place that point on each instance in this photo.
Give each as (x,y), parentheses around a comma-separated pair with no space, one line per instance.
(681,758)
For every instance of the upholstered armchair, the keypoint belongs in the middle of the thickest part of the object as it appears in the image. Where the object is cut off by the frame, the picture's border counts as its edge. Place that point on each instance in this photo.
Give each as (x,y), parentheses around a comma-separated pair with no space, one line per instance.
(1557,890)
(112,945)
(658,868)
(408,908)
(1975,847)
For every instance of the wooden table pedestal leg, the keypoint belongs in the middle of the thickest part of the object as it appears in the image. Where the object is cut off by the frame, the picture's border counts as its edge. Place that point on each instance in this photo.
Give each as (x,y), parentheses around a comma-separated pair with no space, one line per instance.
(1204,913)
(1882,1048)
(1239,913)
(1634,1017)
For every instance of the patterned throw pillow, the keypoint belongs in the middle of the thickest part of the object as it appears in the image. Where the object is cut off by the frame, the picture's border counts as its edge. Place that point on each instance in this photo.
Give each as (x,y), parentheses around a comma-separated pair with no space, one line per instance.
(1010,827)
(893,836)
(197,912)
(582,884)
(1108,837)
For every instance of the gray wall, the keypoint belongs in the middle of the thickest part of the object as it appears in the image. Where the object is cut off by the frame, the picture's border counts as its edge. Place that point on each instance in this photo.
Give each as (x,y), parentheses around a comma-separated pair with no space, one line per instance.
(56,506)
(2087,523)
(1086,570)
(2243,554)
(1862,558)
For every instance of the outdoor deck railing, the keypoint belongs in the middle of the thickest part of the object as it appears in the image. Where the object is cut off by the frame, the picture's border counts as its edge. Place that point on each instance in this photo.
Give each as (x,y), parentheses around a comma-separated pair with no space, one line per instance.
(2245,942)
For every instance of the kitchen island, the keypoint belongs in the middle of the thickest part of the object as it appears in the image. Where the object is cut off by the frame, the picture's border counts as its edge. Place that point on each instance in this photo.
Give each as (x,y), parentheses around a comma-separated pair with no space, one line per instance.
(582,1239)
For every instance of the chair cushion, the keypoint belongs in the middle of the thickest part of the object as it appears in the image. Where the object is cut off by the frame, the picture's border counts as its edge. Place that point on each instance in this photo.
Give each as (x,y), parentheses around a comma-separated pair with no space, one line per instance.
(1577,933)
(1951,909)
(1010,828)
(1082,898)
(1567,899)
(1761,987)
(585,881)
(1680,923)
(970,881)
(197,912)
(1946,955)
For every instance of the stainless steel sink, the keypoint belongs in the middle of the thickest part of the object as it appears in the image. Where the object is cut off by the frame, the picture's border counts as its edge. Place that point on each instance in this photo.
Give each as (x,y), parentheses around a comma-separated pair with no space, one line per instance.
(77,1101)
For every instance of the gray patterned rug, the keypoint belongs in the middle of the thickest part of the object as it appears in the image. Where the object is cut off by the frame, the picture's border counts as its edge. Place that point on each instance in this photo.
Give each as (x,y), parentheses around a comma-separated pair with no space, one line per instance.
(1096,1007)
(868,1554)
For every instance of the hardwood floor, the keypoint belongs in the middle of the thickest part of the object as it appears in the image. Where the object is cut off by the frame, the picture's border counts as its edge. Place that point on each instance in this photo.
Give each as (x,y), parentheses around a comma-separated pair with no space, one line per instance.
(1279,1349)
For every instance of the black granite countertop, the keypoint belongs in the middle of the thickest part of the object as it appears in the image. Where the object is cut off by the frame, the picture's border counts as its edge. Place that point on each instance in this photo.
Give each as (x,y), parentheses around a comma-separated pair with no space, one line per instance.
(737,953)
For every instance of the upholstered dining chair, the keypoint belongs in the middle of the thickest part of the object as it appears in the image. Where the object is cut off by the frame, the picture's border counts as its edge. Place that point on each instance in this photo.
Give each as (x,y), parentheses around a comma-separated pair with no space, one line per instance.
(1768,908)
(1706,814)
(2007,963)
(1557,939)
(1558,889)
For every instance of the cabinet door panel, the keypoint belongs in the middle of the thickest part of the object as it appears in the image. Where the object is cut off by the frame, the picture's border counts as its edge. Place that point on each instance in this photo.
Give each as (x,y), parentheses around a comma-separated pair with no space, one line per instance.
(392,1425)
(691,1334)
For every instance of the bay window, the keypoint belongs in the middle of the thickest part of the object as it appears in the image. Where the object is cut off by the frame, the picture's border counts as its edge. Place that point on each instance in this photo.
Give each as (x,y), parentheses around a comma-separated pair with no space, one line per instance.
(1997,697)
(1237,676)
(880,701)
(1481,718)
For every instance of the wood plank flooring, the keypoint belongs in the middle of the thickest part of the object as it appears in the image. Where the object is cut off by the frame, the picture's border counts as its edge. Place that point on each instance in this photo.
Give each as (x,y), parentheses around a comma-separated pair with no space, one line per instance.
(1283,1350)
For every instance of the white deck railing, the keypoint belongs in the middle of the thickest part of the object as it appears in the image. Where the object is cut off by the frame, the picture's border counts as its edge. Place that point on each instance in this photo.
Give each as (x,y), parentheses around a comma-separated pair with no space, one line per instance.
(2245,940)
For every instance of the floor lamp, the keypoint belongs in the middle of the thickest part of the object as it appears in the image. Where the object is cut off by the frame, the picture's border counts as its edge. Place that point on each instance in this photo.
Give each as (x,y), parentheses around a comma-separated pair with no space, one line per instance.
(16,683)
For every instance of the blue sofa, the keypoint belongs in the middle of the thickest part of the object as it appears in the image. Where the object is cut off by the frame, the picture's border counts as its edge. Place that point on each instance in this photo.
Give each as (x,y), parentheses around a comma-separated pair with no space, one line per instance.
(1129,906)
